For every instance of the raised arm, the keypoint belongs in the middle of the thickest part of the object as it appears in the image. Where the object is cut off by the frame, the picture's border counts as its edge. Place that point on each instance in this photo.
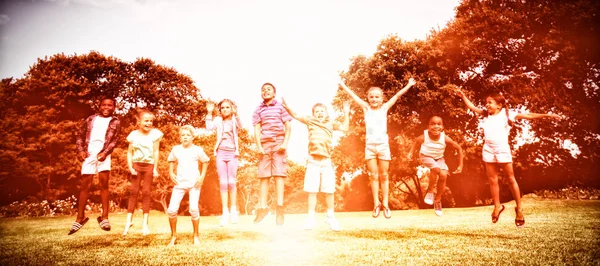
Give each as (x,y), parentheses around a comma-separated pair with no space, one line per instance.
(469,104)
(460,154)
(292,113)
(418,141)
(210,125)
(536,116)
(353,95)
(395,98)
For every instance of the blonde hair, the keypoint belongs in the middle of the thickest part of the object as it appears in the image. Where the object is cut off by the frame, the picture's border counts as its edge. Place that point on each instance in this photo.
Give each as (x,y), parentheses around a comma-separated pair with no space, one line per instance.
(189,128)
(374,89)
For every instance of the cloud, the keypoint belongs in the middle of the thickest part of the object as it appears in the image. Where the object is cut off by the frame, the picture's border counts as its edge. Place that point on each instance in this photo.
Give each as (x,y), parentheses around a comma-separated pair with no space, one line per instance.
(4,19)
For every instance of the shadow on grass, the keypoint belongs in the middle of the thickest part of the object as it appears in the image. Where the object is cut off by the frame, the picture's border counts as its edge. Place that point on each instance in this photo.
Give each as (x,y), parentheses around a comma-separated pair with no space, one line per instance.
(376,234)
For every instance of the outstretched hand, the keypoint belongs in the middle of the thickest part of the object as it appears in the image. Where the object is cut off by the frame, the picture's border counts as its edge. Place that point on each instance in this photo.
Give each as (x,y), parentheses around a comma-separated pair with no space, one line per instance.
(458,170)
(210,106)
(411,82)
(554,116)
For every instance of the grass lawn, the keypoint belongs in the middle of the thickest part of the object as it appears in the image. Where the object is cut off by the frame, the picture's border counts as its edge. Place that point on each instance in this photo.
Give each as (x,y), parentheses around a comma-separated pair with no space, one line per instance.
(556,232)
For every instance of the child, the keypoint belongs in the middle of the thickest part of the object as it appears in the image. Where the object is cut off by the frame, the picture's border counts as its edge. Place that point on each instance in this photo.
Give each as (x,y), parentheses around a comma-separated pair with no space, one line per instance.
(496,149)
(377,149)
(227,152)
(271,131)
(95,142)
(431,155)
(142,159)
(188,179)
(319,171)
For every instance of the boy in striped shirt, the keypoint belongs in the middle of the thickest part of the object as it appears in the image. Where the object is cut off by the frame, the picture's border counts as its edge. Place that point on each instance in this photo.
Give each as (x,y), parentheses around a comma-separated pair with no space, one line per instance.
(271,132)
(320,176)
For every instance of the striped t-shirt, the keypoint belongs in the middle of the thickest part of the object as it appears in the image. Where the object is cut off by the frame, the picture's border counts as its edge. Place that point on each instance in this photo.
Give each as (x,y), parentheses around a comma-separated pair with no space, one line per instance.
(271,118)
(320,137)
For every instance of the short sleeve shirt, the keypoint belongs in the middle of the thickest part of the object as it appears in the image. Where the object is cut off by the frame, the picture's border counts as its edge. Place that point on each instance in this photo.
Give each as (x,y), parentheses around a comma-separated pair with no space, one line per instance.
(143,145)
(272,118)
(320,136)
(187,163)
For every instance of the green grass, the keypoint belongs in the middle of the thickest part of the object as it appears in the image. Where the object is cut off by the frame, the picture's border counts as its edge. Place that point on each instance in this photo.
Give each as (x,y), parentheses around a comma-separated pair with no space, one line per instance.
(557,232)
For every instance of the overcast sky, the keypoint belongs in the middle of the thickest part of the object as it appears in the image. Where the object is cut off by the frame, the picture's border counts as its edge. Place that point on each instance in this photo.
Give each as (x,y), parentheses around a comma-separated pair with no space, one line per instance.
(229,48)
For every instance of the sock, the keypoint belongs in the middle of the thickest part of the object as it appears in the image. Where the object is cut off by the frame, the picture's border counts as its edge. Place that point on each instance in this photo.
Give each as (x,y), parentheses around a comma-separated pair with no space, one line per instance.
(311,214)
(330,213)
(225,211)
(233,209)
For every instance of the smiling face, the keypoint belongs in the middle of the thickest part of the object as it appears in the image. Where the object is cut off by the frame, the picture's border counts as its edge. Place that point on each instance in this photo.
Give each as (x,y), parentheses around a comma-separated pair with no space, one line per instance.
(320,112)
(375,97)
(436,126)
(267,92)
(225,109)
(492,106)
(146,121)
(107,108)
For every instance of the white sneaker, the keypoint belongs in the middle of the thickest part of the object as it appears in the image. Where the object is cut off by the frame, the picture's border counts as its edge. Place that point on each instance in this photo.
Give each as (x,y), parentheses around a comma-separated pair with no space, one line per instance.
(428,199)
(234,217)
(334,225)
(224,219)
(438,208)
(310,223)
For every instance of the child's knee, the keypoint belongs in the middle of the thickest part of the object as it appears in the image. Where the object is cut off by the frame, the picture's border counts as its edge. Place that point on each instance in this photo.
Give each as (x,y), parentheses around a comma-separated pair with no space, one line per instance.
(384,177)
(194,212)
(374,176)
(231,186)
(172,213)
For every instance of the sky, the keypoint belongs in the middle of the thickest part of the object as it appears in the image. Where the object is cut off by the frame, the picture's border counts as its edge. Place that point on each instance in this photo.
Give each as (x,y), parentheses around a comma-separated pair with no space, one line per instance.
(229,48)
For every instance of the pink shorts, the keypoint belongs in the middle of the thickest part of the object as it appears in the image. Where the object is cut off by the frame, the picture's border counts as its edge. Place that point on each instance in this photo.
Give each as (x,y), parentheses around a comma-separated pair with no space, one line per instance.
(272,163)
(431,163)
(496,153)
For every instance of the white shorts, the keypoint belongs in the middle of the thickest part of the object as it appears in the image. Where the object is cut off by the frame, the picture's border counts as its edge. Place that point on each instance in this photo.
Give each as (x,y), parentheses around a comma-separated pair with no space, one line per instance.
(496,153)
(378,151)
(92,166)
(319,176)
(431,163)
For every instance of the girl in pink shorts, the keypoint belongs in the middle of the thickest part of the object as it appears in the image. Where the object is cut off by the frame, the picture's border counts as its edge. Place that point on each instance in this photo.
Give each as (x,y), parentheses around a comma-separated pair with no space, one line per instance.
(496,149)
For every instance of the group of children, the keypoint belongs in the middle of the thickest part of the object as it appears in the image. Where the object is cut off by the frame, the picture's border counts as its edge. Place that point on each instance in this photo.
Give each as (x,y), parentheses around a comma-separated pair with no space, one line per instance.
(272,128)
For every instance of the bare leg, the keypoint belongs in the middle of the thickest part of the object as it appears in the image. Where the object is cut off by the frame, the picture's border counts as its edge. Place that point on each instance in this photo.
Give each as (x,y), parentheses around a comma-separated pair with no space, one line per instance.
(173,224)
(492,174)
(264,192)
(196,232)
(374,176)
(385,181)
(433,178)
(514,188)
(224,202)
(312,203)
(279,185)
(441,184)
(103,178)
(86,183)
(329,200)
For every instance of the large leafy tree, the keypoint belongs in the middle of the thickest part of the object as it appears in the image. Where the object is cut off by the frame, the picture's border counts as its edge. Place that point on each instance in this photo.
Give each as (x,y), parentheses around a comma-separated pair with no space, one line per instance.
(541,54)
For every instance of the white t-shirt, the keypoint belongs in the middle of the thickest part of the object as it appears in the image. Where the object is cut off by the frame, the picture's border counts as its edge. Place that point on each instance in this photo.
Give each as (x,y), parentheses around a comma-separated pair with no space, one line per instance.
(187,163)
(433,148)
(496,128)
(143,145)
(99,127)
(376,126)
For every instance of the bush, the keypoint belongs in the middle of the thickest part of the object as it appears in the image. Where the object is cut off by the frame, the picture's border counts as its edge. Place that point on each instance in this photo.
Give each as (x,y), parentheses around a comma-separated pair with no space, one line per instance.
(572,192)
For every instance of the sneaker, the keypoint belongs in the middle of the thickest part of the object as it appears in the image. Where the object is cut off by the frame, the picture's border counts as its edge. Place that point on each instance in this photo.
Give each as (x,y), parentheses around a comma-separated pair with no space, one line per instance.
(261,213)
(387,213)
(376,211)
(224,219)
(279,215)
(437,206)
(428,198)
(334,225)
(310,224)
(235,218)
